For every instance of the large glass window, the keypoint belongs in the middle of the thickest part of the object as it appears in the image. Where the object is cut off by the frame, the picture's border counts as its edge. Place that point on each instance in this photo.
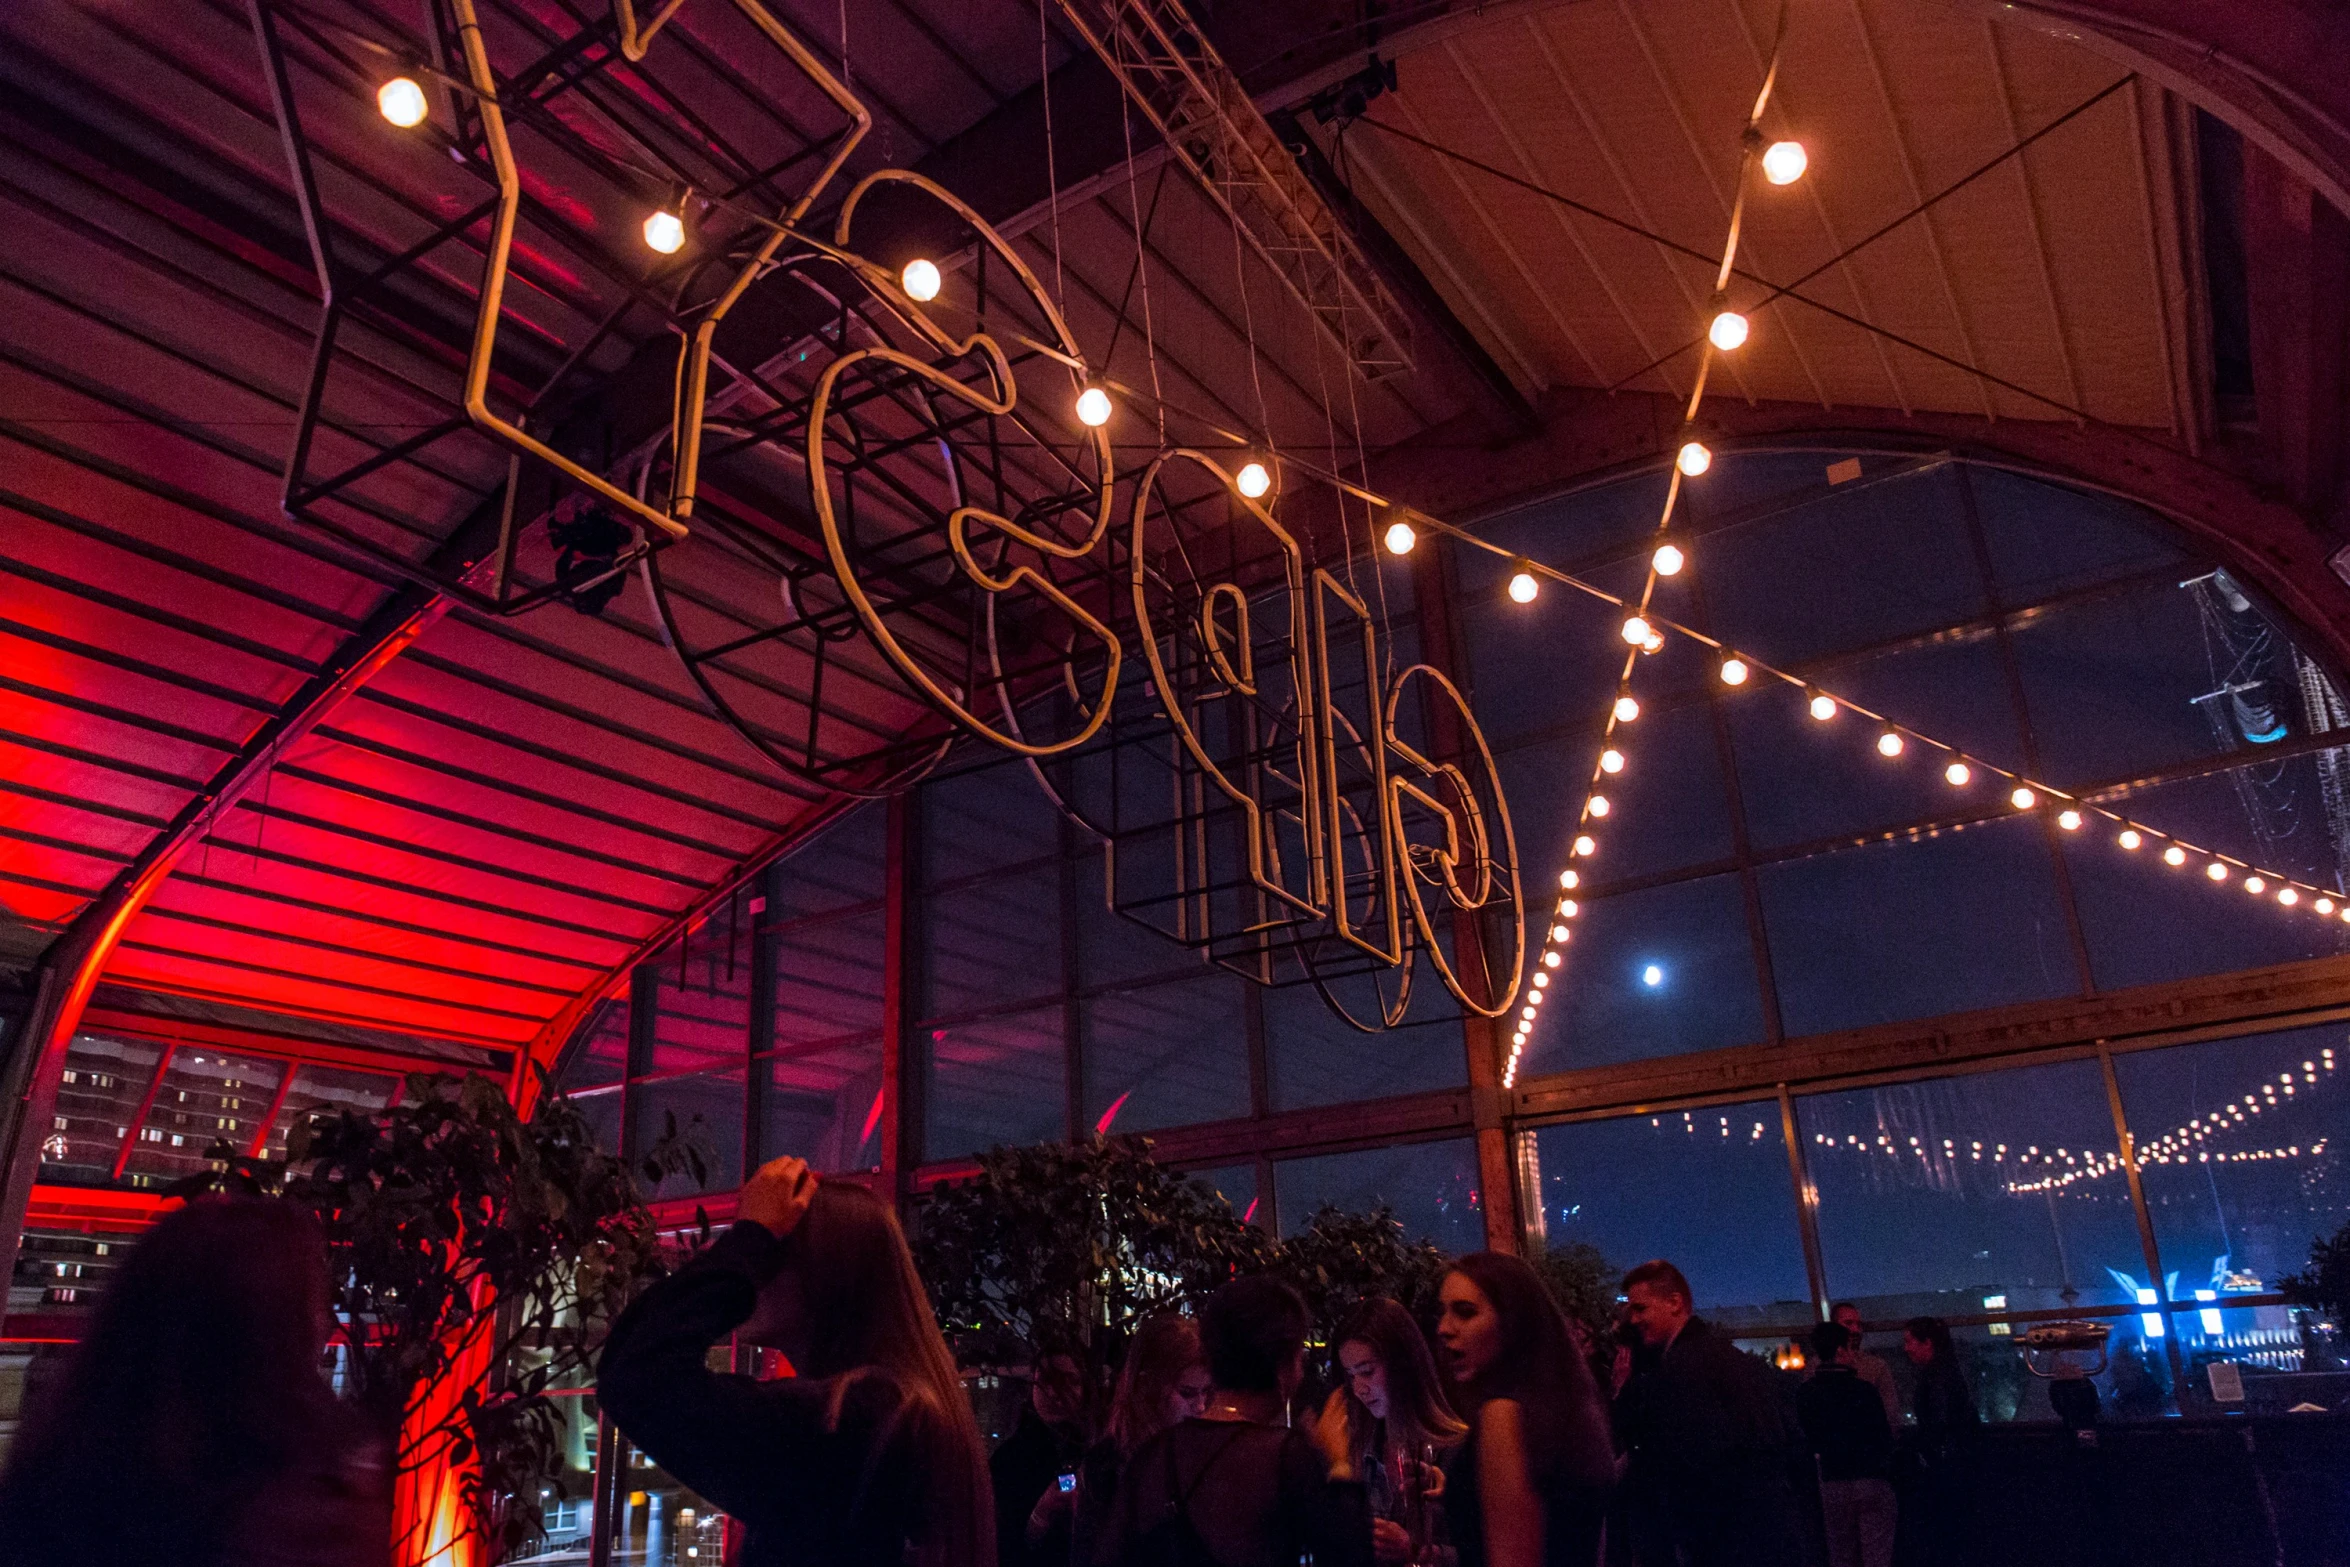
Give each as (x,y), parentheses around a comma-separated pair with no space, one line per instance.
(1707,1190)
(996,1080)
(823,1105)
(1166,1055)
(1432,1188)
(206,1096)
(104,1083)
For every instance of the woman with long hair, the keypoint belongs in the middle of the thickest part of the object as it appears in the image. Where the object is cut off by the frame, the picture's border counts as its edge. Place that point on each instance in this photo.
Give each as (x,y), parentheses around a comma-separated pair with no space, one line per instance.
(1163,1383)
(869,1455)
(1529,1487)
(1398,1421)
(193,1425)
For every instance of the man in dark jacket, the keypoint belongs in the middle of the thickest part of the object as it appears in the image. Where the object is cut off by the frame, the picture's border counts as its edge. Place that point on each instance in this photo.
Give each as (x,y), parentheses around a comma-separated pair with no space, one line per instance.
(1844,1421)
(1032,1513)
(1709,1449)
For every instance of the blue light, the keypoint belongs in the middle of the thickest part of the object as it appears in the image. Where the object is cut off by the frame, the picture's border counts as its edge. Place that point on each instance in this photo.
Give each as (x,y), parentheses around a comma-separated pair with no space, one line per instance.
(1652,976)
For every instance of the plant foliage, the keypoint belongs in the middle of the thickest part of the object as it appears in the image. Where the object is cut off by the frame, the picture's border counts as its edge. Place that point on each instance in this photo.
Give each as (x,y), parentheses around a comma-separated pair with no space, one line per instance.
(1583,1282)
(447,1216)
(2325,1288)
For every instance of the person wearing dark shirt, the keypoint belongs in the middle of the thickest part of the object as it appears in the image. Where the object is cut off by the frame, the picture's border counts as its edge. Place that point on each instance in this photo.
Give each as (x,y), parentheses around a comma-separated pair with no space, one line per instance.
(1163,1383)
(1709,1448)
(1872,1368)
(869,1457)
(1529,1487)
(1032,1512)
(1937,1524)
(1844,1421)
(1234,1487)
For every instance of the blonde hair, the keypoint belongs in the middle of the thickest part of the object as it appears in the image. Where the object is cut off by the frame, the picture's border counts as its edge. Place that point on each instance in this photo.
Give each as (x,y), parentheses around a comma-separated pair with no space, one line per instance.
(867,1313)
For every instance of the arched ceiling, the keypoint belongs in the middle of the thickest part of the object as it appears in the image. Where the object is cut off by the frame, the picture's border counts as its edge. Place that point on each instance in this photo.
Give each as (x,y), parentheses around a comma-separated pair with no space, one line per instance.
(493,817)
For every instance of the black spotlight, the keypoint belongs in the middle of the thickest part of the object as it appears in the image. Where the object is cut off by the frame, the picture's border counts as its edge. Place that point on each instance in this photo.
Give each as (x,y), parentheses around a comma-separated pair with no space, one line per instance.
(587,558)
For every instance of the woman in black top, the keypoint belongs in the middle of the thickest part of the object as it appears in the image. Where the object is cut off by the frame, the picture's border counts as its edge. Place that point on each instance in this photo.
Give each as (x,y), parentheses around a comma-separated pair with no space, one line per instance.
(192,1427)
(1163,1382)
(1233,1486)
(869,1456)
(1936,1518)
(1529,1488)
(1399,1424)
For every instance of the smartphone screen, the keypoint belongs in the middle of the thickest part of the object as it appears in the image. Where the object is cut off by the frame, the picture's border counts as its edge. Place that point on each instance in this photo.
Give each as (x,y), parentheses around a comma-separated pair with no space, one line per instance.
(1068,1480)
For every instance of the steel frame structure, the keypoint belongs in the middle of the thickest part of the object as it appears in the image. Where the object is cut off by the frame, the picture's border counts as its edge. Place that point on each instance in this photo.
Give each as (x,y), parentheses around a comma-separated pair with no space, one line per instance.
(1163,60)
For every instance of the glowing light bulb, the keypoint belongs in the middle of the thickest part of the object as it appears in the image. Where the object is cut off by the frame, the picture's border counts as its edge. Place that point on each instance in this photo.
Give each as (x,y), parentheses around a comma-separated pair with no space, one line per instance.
(1093,408)
(1560,933)
(1888,744)
(2069,820)
(1728,331)
(402,102)
(1635,630)
(1569,880)
(1627,709)
(1598,805)
(1400,538)
(1668,560)
(1254,481)
(1655,643)
(2023,799)
(1784,162)
(2216,871)
(920,280)
(1586,846)
(1611,760)
(1823,707)
(1693,458)
(2287,896)
(1568,907)
(2255,886)
(2323,905)
(1523,587)
(2174,855)
(1550,960)
(2130,838)
(665,232)
(1734,671)
(1957,773)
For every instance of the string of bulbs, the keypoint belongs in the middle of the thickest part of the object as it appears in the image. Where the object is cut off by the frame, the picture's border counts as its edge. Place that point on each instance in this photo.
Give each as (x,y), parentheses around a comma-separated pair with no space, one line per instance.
(1780,163)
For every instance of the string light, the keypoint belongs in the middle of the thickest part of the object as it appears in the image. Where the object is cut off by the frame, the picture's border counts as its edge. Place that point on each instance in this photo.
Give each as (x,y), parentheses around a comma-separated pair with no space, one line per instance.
(1823,706)
(2069,820)
(1734,671)
(1693,458)
(1728,331)
(1585,846)
(2174,855)
(401,101)
(1611,760)
(1889,744)
(2323,905)
(1253,481)
(1957,775)
(665,232)
(1668,560)
(1636,630)
(1093,408)
(1597,805)
(2288,896)
(1401,536)
(921,280)
(2255,886)
(2216,871)
(1523,587)
(1783,162)
(1627,709)
(2023,799)
(2130,838)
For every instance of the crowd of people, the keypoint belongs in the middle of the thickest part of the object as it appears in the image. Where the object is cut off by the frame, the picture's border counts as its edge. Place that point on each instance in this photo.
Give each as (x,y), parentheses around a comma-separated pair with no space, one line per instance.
(1512,1436)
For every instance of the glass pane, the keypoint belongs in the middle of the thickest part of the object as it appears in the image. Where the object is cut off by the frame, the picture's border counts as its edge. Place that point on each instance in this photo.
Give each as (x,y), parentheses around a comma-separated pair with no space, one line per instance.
(702,1017)
(1236,1184)
(207,1096)
(1668,809)
(842,867)
(1168,1055)
(998,1081)
(601,1055)
(2112,683)
(1999,1190)
(828,979)
(2044,539)
(601,1108)
(317,1088)
(1317,1058)
(1432,1187)
(1658,972)
(1115,949)
(1708,1190)
(985,820)
(701,1116)
(660,1523)
(1910,929)
(2244,1152)
(999,941)
(103,1081)
(823,1106)
(2146,921)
